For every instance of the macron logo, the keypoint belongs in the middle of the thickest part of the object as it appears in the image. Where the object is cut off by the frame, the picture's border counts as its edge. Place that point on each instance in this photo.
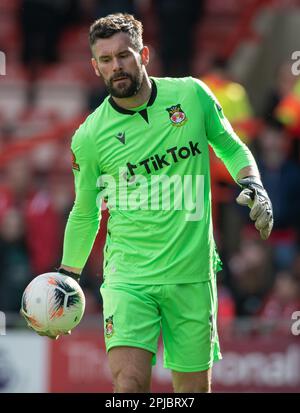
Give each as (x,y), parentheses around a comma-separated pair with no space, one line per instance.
(121,137)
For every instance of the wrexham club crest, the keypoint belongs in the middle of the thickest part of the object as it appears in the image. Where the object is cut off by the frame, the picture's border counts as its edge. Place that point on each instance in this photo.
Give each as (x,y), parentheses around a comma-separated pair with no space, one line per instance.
(177,115)
(109,326)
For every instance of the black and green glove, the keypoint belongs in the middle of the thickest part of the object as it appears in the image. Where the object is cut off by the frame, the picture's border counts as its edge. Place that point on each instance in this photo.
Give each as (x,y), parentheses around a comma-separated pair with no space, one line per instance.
(256,198)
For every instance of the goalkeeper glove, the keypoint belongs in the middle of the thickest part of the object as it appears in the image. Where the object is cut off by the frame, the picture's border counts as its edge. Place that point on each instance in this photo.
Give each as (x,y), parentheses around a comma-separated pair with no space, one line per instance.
(256,198)
(49,334)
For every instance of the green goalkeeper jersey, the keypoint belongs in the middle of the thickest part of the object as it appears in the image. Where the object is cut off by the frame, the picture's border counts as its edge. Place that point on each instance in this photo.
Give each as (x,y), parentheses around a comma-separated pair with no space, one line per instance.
(150,167)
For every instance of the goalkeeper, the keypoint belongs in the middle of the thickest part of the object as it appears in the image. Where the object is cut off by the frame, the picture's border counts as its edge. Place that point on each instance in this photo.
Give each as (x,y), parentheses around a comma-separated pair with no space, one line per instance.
(160,260)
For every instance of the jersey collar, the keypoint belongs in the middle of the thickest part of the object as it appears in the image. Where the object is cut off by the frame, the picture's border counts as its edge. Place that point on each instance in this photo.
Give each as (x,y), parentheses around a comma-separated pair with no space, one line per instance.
(132,112)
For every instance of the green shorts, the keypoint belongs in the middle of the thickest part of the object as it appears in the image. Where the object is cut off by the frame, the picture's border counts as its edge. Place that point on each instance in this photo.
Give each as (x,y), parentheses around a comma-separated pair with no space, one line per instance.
(185,314)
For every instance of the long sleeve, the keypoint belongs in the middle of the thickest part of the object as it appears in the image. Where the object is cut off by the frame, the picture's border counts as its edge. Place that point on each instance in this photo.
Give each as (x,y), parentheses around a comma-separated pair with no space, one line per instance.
(222,138)
(84,219)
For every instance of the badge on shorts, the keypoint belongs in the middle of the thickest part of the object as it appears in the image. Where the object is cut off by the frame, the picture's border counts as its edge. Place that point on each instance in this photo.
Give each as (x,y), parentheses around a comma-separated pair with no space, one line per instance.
(109,326)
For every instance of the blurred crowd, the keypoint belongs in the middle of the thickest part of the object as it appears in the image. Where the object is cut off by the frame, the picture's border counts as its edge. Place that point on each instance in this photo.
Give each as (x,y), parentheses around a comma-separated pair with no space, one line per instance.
(259,279)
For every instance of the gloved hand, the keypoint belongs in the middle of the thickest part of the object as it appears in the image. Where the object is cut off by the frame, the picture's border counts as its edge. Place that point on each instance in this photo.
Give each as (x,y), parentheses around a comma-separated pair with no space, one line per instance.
(256,198)
(50,335)
(43,333)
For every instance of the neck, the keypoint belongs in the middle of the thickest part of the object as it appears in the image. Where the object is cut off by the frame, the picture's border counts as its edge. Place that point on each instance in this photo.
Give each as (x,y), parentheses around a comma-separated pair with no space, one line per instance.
(141,97)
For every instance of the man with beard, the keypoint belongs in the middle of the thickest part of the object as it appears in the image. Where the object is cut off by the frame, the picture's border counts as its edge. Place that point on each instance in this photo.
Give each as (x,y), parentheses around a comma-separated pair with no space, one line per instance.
(160,259)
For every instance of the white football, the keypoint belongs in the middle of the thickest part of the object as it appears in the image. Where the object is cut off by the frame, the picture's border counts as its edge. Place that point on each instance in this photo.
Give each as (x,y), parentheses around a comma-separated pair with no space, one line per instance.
(53,303)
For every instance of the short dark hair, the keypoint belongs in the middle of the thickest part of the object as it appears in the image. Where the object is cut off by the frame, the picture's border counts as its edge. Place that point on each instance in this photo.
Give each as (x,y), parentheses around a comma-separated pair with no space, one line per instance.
(106,27)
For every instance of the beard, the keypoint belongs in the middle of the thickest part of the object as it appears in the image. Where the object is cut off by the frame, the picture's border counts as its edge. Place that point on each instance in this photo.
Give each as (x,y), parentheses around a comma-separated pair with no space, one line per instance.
(127,88)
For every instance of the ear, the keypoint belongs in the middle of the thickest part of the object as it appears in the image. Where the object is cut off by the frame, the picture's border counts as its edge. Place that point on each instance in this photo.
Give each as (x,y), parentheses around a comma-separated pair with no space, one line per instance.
(95,66)
(145,55)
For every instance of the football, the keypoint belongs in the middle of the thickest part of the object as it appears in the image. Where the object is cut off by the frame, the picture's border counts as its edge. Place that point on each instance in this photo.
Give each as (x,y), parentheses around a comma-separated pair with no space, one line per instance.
(53,304)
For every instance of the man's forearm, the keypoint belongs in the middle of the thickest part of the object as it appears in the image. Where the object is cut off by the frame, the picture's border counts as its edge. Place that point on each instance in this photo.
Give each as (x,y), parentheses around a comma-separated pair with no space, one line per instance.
(248,171)
(80,231)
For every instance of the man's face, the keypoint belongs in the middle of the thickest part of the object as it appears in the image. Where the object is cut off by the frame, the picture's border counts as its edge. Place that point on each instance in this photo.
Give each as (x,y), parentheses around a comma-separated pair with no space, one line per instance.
(119,64)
